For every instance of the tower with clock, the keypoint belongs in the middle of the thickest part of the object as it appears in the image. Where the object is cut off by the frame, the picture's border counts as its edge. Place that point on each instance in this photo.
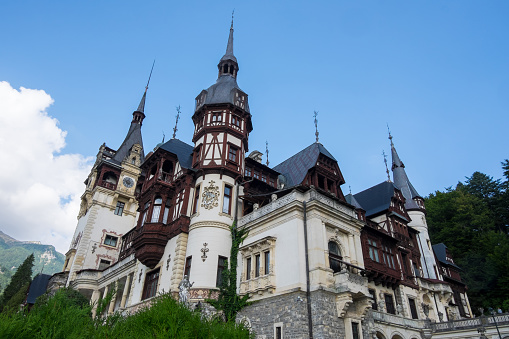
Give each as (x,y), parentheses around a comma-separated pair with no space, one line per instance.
(108,207)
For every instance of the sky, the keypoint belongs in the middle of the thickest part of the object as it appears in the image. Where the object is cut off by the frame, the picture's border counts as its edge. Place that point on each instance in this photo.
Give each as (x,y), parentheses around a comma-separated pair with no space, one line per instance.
(72,73)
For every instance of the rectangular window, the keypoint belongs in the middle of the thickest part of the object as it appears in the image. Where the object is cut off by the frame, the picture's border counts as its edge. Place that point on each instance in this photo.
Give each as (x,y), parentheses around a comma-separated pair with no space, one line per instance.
(355,330)
(272,182)
(373,250)
(187,269)
(119,209)
(389,303)
(264,178)
(227,197)
(256,174)
(235,121)
(257,265)
(103,264)
(373,295)
(266,268)
(110,240)
(165,215)
(413,309)
(221,265)
(232,154)
(248,172)
(217,117)
(279,332)
(150,287)
(155,213)
(248,268)
(196,199)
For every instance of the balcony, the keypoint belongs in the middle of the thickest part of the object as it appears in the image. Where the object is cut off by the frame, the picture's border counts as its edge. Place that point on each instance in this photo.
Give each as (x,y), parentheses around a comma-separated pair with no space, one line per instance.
(351,279)
(151,239)
(392,319)
(474,323)
(126,248)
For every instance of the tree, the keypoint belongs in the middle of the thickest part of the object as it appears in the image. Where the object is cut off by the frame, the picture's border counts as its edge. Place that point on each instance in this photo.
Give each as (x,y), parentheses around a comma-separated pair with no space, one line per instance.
(228,301)
(22,277)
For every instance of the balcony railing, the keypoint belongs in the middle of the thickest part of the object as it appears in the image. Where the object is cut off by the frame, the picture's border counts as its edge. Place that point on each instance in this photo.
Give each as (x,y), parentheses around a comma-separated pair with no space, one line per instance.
(108,185)
(396,319)
(500,319)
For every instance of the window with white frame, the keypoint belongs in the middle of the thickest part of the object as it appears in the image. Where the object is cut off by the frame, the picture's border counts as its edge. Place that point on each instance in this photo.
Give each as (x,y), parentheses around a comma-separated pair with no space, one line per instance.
(258,273)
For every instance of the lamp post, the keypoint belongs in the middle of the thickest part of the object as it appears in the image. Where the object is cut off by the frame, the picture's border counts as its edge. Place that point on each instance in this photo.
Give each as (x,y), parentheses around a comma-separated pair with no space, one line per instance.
(492,311)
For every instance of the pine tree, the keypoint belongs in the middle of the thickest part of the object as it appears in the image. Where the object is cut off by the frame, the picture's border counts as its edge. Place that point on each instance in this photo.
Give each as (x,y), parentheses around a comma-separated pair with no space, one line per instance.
(22,277)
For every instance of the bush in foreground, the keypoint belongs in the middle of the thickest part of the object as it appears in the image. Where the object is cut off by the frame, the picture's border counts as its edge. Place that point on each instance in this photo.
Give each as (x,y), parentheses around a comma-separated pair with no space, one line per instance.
(61,316)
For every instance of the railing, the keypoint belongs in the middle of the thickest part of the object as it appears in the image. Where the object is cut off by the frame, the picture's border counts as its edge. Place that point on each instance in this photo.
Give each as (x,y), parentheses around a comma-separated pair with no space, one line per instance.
(396,319)
(126,248)
(166,177)
(107,185)
(500,319)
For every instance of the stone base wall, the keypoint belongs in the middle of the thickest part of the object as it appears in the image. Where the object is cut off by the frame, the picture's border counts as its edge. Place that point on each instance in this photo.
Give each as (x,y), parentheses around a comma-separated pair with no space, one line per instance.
(290,312)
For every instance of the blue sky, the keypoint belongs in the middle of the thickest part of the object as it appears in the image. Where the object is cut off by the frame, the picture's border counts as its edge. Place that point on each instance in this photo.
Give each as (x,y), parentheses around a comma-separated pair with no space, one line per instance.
(436,71)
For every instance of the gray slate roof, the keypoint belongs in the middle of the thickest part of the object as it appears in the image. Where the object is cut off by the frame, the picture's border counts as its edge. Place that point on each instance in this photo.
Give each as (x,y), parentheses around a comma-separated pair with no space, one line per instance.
(133,137)
(376,199)
(440,252)
(296,167)
(37,287)
(183,151)
(229,48)
(401,180)
(223,91)
(352,201)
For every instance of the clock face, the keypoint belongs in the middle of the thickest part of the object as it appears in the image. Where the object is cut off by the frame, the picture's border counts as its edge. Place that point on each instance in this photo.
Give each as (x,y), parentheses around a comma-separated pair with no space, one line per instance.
(128,182)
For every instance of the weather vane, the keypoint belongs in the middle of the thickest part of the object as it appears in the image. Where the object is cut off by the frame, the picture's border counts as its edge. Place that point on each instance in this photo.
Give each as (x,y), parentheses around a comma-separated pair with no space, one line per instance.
(176,122)
(316,125)
(390,136)
(233,12)
(267,151)
(386,168)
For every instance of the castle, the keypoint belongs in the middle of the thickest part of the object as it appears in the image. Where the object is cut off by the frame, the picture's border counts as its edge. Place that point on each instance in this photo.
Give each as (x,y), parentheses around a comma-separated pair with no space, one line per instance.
(317,262)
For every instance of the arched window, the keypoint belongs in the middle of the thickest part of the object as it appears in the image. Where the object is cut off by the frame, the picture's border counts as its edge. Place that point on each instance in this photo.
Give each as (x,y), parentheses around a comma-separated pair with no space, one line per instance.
(145,212)
(334,257)
(225,69)
(156,211)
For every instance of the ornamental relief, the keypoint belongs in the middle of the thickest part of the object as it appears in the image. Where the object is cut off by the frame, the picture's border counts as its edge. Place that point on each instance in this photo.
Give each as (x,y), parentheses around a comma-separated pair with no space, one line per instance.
(210,196)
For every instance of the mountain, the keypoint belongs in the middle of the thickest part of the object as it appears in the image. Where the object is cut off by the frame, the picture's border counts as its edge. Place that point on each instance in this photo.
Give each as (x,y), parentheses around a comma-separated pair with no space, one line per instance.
(13,252)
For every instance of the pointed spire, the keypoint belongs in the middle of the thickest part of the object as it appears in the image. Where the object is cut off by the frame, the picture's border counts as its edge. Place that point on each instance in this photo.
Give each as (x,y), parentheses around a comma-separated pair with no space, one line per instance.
(228,64)
(141,106)
(401,179)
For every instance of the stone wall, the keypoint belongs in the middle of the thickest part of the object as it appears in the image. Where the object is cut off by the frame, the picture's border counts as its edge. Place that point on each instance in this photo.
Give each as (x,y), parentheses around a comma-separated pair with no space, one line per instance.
(290,312)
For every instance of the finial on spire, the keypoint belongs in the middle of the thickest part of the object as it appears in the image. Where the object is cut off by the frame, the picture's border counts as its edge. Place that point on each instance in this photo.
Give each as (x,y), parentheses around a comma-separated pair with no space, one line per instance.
(162,142)
(148,82)
(350,189)
(386,167)
(267,151)
(316,125)
(233,12)
(390,136)
(176,122)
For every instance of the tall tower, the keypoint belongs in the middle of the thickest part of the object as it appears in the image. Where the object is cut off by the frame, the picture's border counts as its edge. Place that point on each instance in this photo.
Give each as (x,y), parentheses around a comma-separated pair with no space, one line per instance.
(414,205)
(108,206)
(222,126)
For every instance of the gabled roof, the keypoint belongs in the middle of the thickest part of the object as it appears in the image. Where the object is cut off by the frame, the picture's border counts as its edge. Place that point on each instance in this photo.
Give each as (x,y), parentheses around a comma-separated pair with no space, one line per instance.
(183,151)
(377,198)
(441,254)
(296,167)
(37,287)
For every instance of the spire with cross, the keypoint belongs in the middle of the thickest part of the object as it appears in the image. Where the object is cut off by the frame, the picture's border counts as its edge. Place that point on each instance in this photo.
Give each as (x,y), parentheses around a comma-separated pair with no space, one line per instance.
(267,151)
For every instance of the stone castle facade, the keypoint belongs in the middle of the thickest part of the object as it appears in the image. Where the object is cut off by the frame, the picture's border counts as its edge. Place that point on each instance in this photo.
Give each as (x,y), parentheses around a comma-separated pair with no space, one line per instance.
(317,262)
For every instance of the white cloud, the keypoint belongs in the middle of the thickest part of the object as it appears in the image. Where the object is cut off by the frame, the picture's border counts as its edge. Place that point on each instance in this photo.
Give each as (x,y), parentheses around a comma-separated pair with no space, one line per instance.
(40,188)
